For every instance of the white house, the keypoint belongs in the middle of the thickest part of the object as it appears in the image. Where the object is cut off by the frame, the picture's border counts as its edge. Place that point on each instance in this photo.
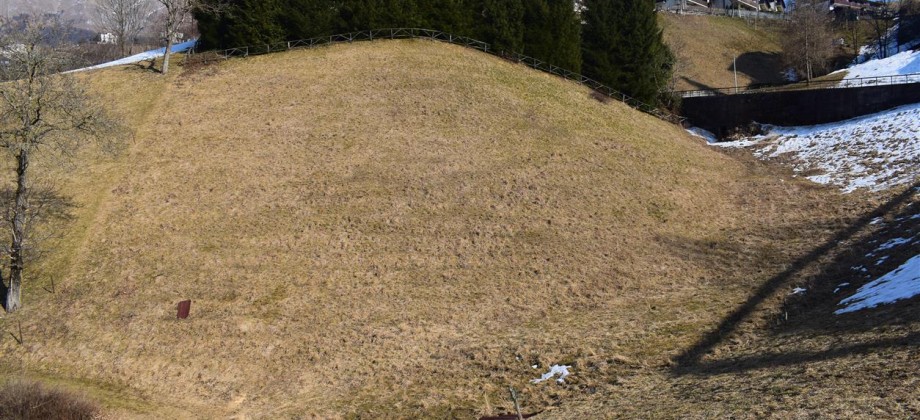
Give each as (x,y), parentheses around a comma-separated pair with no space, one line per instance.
(108,38)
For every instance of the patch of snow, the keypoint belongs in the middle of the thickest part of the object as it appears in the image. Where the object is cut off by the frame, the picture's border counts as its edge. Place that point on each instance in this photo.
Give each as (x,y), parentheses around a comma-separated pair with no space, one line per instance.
(896,242)
(874,152)
(902,283)
(535,366)
(148,55)
(562,371)
(754,141)
(840,286)
(893,243)
(798,291)
(900,64)
(703,134)
(877,220)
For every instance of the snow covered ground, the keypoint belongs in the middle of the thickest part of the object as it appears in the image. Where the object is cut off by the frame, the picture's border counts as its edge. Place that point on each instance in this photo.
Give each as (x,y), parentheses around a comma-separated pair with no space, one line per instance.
(874,152)
(902,283)
(901,64)
(185,46)
(899,61)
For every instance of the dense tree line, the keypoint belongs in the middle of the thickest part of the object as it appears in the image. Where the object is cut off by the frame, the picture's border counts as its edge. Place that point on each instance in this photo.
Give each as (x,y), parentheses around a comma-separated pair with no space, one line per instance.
(505,24)
(618,41)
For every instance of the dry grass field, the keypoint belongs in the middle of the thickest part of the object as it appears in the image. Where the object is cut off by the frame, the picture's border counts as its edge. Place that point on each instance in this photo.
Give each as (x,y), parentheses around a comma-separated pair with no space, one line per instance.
(403,228)
(707,45)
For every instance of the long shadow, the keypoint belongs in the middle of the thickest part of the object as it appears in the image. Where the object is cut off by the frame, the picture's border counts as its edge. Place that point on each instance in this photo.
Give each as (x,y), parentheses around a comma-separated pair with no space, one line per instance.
(789,358)
(689,360)
(698,85)
(853,267)
(761,67)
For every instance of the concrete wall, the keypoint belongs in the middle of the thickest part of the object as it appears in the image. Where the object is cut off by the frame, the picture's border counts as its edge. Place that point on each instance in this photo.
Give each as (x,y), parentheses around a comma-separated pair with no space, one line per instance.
(722,114)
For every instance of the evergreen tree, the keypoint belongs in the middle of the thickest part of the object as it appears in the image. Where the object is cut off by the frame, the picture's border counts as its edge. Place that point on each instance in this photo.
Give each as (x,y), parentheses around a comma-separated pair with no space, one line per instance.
(538,40)
(500,23)
(453,16)
(358,15)
(622,46)
(304,19)
(552,32)
(241,23)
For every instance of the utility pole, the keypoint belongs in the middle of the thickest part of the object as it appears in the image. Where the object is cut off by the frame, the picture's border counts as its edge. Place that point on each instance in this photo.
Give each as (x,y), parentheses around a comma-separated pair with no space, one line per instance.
(735,69)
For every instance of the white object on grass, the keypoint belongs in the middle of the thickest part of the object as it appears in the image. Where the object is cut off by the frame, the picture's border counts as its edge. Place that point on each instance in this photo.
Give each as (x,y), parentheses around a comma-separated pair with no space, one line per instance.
(562,371)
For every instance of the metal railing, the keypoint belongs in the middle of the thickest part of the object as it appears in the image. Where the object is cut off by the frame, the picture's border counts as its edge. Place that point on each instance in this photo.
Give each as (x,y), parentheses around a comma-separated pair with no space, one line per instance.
(715,11)
(812,85)
(419,33)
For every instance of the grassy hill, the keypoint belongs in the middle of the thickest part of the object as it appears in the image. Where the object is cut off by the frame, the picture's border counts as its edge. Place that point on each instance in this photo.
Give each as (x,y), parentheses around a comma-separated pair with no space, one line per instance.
(706,46)
(404,228)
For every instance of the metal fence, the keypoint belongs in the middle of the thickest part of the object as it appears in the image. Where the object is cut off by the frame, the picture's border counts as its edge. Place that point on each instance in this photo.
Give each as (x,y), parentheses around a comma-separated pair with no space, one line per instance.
(716,11)
(813,85)
(418,33)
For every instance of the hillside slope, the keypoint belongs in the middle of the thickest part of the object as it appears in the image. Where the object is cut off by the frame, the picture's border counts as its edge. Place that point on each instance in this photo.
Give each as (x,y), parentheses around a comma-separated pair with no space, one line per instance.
(398,229)
(706,47)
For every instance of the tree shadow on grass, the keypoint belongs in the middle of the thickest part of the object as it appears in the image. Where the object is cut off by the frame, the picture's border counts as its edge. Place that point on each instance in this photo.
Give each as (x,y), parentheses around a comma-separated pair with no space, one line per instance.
(698,85)
(48,209)
(762,68)
(813,312)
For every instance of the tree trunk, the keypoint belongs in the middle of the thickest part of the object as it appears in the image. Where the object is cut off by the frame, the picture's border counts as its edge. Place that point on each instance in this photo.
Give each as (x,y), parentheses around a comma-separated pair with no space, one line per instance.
(20,206)
(169,45)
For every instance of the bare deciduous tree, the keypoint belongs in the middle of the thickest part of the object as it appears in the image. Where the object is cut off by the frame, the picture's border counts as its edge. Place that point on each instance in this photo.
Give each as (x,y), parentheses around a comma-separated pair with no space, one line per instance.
(124,18)
(808,42)
(883,24)
(177,14)
(42,112)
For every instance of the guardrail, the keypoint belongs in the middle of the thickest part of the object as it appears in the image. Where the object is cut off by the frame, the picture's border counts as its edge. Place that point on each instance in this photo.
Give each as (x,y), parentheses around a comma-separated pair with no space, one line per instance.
(419,33)
(813,85)
(715,11)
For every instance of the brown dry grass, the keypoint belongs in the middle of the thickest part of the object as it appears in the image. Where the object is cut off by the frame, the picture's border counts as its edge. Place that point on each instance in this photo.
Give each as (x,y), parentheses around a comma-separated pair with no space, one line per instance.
(707,45)
(399,229)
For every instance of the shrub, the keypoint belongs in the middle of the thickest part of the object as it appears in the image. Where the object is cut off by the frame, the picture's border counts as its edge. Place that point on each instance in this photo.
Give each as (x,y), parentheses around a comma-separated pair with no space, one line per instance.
(32,400)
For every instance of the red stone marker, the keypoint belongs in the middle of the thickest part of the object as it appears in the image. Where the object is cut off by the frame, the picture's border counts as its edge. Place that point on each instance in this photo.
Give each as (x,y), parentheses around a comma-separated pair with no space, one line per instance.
(184,307)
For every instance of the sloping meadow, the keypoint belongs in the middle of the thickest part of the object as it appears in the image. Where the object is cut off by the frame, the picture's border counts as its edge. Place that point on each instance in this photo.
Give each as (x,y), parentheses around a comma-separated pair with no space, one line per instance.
(398,228)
